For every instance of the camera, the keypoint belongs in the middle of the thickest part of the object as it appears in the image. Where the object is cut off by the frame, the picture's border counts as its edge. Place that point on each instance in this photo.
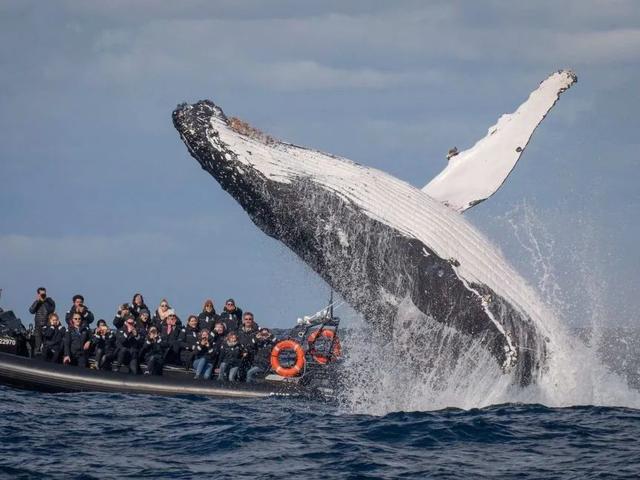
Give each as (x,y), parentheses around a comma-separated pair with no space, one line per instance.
(43,295)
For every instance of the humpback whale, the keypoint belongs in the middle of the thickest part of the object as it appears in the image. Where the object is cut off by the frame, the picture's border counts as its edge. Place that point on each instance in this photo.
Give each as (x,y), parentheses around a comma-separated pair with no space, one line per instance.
(380,241)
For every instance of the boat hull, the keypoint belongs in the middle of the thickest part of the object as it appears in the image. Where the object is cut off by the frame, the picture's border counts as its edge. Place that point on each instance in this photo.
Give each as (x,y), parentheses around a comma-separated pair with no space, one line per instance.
(34,374)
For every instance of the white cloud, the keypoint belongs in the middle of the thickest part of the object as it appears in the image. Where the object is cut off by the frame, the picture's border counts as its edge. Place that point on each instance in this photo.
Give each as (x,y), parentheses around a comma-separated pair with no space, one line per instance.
(27,250)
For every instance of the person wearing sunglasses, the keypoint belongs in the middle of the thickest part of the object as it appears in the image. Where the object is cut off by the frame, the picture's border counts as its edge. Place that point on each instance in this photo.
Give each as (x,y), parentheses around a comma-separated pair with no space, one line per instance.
(162,312)
(77,342)
(231,315)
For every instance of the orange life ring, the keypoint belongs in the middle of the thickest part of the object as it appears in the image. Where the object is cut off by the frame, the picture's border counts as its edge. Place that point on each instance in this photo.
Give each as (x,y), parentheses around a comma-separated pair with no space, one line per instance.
(275,358)
(336,350)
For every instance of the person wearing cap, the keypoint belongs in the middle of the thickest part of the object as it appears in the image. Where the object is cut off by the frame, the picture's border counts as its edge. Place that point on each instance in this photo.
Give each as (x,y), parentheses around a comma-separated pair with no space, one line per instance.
(208,318)
(128,343)
(231,315)
(264,342)
(79,307)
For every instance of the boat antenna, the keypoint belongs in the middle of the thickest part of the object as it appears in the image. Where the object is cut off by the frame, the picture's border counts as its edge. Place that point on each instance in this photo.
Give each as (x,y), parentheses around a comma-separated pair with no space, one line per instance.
(330,304)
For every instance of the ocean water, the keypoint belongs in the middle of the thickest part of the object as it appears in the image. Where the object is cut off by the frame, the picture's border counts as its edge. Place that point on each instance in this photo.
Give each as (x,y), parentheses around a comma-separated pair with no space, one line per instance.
(136,436)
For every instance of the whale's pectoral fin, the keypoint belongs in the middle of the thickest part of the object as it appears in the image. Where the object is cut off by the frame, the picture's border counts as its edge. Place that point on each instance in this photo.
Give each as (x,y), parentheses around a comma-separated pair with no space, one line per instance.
(475,174)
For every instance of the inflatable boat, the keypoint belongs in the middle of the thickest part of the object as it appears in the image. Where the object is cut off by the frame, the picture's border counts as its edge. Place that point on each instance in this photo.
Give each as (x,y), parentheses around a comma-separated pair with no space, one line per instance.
(35,374)
(19,368)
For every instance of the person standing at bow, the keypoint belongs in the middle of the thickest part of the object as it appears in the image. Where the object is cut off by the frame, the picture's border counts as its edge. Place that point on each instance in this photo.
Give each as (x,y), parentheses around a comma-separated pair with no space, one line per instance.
(41,308)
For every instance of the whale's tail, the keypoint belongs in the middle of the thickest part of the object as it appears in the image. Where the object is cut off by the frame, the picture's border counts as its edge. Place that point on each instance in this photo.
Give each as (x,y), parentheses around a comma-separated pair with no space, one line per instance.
(475,174)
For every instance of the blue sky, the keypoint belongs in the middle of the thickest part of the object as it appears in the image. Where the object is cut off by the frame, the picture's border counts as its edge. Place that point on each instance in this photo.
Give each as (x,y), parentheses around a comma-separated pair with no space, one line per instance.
(99,195)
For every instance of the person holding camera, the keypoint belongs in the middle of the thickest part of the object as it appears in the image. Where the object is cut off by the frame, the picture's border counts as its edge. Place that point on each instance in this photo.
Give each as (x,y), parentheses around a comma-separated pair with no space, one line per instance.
(123,312)
(41,308)
(104,344)
(128,345)
(153,352)
(203,355)
(80,308)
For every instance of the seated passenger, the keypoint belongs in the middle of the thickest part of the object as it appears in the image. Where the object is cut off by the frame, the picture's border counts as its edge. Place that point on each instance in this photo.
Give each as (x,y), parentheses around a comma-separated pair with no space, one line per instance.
(123,312)
(246,338)
(188,341)
(153,352)
(248,331)
(162,312)
(104,345)
(231,355)
(218,337)
(170,334)
(128,345)
(53,339)
(77,343)
(203,361)
(208,318)
(261,364)
(137,305)
(143,323)
(79,307)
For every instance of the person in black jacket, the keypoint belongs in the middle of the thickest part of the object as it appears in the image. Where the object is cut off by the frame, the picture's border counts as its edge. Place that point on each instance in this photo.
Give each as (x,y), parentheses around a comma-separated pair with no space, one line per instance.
(143,323)
(77,343)
(218,336)
(231,355)
(208,318)
(41,308)
(53,339)
(153,352)
(246,338)
(264,342)
(203,355)
(128,344)
(231,315)
(79,307)
(162,313)
(123,312)
(104,345)
(188,341)
(170,334)
(137,305)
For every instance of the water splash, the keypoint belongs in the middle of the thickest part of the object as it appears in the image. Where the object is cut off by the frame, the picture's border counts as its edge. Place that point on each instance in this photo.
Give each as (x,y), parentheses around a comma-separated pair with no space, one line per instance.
(428,366)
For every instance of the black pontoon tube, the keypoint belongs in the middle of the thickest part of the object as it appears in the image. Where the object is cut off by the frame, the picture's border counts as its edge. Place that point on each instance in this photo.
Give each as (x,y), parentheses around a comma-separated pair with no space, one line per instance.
(37,375)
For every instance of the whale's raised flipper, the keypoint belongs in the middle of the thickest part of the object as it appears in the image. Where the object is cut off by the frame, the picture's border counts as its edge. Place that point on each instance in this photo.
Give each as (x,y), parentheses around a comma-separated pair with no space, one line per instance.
(475,174)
